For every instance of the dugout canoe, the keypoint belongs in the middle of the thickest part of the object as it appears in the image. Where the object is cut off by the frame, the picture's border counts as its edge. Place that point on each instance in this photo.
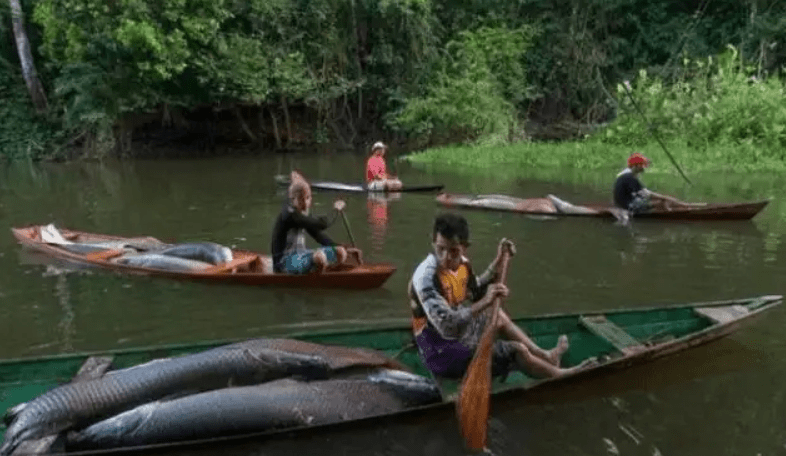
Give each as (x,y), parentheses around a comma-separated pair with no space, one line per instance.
(543,206)
(360,188)
(246,267)
(618,338)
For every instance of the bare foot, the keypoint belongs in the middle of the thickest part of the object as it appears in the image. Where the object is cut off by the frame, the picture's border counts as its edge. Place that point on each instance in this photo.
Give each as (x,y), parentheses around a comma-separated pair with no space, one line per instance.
(555,354)
(586,364)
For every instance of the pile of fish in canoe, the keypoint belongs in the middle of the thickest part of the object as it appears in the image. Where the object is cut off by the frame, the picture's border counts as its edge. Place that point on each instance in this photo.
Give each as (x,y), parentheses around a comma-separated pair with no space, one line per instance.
(253,386)
(149,252)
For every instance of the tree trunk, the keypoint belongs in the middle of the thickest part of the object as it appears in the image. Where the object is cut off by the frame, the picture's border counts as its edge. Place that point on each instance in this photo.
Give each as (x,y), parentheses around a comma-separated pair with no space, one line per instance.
(286,120)
(244,125)
(26,58)
(275,128)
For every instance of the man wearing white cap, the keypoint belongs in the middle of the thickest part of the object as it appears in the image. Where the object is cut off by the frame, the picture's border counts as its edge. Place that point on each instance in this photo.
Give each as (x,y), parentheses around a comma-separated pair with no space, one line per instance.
(377,177)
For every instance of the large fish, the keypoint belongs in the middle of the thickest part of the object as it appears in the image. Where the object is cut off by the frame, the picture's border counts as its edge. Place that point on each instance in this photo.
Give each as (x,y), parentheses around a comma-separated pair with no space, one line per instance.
(240,410)
(244,363)
(209,252)
(165,262)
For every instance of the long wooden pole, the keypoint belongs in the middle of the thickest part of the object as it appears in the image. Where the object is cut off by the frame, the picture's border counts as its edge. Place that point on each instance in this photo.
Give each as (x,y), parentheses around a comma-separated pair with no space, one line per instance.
(472,406)
(654,133)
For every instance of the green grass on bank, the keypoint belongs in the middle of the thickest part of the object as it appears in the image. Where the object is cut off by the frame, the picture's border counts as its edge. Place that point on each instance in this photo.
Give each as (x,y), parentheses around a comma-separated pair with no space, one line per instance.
(594,154)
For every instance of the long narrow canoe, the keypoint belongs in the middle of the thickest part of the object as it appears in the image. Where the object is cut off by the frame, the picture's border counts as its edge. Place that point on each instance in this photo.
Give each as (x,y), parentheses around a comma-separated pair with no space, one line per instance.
(246,267)
(618,338)
(544,206)
(360,188)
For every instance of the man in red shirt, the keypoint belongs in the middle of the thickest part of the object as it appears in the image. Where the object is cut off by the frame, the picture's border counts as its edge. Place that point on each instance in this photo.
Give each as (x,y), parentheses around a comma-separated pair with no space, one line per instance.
(377,177)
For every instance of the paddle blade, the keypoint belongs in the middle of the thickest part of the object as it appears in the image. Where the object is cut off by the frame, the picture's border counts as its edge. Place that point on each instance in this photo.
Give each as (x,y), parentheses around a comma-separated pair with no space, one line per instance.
(475,391)
(473,401)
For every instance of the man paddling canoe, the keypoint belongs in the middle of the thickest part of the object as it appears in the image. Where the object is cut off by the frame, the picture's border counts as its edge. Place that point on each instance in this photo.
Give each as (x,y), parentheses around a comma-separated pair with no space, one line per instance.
(377,177)
(290,254)
(631,195)
(450,309)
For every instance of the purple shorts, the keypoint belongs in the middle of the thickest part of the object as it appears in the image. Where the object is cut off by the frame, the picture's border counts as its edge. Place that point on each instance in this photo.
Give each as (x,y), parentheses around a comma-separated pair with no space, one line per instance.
(450,358)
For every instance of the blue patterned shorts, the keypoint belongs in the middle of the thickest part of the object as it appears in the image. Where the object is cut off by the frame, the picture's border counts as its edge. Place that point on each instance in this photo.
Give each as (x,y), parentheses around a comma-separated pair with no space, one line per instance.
(640,205)
(302,262)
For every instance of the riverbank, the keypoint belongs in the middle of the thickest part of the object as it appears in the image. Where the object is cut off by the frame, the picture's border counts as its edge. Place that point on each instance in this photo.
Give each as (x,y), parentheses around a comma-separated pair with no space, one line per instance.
(595,154)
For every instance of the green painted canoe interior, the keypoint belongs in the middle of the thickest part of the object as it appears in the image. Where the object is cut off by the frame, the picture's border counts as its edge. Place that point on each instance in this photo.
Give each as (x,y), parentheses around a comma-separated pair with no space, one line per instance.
(23,380)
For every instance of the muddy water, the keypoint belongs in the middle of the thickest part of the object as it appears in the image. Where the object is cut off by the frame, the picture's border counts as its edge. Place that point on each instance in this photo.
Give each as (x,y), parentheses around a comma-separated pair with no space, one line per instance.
(723,399)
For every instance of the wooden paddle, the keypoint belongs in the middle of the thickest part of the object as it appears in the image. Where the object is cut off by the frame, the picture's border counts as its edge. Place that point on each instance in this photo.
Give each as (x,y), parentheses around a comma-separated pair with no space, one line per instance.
(349,232)
(472,405)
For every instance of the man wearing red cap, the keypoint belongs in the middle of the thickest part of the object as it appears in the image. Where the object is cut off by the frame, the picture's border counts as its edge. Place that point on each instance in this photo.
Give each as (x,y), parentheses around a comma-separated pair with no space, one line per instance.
(631,195)
(377,178)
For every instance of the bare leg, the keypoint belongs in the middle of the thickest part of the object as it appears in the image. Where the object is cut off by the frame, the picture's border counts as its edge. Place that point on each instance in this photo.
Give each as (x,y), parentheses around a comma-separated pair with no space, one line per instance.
(393,185)
(357,254)
(341,254)
(398,185)
(541,368)
(514,333)
(661,205)
(320,261)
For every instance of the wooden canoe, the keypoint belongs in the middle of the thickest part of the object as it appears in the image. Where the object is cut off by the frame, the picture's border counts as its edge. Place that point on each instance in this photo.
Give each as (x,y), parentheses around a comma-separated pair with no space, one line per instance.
(543,206)
(360,188)
(618,338)
(246,267)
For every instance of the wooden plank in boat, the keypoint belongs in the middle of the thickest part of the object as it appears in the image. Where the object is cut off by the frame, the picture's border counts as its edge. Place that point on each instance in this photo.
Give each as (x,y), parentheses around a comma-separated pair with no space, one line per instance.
(723,314)
(607,330)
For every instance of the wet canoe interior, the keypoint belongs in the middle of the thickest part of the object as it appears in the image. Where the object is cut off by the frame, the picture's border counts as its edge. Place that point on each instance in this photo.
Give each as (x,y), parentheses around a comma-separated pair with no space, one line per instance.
(24,379)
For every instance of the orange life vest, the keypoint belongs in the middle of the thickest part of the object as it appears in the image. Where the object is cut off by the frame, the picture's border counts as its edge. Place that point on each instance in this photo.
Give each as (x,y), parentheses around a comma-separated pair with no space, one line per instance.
(454,288)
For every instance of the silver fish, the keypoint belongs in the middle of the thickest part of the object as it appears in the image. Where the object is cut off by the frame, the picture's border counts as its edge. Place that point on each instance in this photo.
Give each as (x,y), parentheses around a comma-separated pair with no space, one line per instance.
(208,252)
(275,405)
(244,363)
(165,262)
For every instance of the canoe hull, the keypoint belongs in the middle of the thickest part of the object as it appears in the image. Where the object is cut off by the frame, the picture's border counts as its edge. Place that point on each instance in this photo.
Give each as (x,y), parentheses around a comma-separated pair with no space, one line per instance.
(542,206)
(365,276)
(360,188)
(658,332)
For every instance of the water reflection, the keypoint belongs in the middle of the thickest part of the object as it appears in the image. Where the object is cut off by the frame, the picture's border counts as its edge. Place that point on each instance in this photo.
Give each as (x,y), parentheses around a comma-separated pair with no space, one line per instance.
(716,243)
(66,324)
(377,207)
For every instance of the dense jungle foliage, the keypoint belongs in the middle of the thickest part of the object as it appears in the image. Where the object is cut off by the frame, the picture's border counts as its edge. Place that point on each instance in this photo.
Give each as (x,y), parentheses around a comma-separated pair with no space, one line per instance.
(292,73)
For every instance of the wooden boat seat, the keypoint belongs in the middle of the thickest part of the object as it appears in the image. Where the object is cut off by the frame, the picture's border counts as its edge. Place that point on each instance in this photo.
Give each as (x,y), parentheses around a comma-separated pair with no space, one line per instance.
(232,266)
(105,255)
(613,334)
(722,314)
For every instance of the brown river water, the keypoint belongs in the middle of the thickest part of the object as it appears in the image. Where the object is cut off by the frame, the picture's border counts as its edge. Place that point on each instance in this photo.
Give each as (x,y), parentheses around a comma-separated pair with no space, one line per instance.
(725,398)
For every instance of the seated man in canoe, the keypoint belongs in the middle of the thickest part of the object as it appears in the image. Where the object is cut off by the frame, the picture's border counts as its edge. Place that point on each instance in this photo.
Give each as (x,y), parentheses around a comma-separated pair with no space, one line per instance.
(290,254)
(377,177)
(451,307)
(631,195)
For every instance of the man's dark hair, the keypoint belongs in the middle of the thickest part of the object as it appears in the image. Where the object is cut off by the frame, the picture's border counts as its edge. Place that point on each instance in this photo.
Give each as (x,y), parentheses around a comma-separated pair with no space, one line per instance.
(451,226)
